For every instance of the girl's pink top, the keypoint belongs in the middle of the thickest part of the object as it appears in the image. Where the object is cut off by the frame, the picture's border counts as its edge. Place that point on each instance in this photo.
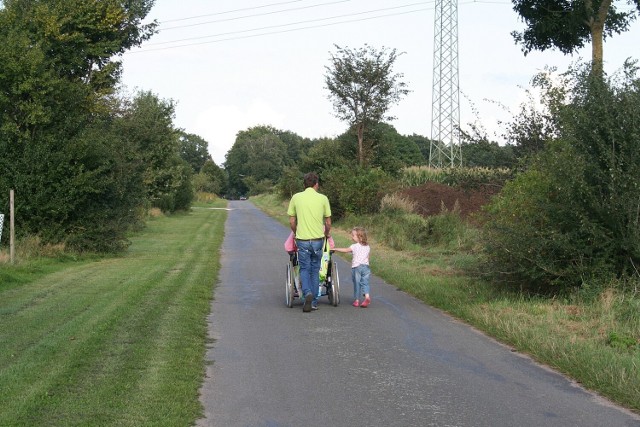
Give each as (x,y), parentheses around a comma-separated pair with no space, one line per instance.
(360,254)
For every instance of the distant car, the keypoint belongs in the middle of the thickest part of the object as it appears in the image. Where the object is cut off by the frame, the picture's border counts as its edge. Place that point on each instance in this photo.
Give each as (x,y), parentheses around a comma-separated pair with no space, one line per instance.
(243,197)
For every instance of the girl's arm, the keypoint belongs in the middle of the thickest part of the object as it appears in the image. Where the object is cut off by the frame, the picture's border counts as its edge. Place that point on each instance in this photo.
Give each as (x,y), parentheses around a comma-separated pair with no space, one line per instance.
(345,250)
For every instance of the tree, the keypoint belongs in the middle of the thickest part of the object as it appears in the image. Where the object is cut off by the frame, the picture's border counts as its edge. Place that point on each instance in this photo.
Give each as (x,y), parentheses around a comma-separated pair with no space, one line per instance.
(568,24)
(487,154)
(211,179)
(423,143)
(387,149)
(296,145)
(76,176)
(572,217)
(258,154)
(148,124)
(362,87)
(193,149)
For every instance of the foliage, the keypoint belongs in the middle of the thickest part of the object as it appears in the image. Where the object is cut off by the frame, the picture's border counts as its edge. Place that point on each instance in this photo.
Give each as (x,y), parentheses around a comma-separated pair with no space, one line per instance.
(534,124)
(211,179)
(258,153)
(478,150)
(572,218)
(257,187)
(395,203)
(362,87)
(355,190)
(193,149)
(387,149)
(463,177)
(487,154)
(295,145)
(401,230)
(291,182)
(147,122)
(325,154)
(424,145)
(77,179)
(567,25)
(106,198)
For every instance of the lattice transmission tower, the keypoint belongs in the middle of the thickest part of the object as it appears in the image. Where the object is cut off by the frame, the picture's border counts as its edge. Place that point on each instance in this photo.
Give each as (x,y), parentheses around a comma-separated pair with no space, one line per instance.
(445,149)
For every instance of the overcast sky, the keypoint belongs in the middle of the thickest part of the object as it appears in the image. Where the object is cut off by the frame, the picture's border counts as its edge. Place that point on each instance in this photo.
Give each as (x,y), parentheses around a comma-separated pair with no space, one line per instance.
(233,64)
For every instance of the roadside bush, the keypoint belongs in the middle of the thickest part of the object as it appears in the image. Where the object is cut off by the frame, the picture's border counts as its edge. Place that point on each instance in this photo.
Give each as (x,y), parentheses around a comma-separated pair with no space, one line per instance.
(290,183)
(355,191)
(447,228)
(463,177)
(256,187)
(395,203)
(404,231)
(572,218)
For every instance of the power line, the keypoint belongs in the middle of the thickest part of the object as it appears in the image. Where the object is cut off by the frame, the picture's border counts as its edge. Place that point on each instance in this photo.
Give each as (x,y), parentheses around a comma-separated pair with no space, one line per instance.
(281,31)
(287,10)
(254,15)
(230,11)
(296,23)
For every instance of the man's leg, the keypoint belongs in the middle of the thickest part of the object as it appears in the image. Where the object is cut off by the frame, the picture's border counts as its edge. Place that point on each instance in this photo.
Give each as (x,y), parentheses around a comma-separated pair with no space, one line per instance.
(304,261)
(316,258)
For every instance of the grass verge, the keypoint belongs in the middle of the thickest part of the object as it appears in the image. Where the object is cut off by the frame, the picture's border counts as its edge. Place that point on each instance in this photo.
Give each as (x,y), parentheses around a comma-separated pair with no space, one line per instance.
(595,341)
(114,341)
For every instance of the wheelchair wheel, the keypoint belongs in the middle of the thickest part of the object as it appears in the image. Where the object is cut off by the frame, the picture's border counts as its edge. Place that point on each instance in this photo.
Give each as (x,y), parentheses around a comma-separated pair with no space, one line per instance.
(290,286)
(335,285)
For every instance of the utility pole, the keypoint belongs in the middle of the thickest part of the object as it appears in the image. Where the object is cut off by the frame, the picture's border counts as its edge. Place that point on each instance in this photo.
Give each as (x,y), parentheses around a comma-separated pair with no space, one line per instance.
(445,149)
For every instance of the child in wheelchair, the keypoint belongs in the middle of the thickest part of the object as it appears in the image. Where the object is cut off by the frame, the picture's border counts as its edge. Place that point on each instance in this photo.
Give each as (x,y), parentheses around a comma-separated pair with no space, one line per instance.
(292,250)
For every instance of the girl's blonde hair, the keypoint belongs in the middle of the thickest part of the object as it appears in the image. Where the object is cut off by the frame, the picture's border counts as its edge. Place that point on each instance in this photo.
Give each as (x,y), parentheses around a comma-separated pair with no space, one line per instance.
(361,233)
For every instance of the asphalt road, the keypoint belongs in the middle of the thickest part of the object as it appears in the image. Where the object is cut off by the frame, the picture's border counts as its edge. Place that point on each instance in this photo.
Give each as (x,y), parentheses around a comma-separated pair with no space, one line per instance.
(397,363)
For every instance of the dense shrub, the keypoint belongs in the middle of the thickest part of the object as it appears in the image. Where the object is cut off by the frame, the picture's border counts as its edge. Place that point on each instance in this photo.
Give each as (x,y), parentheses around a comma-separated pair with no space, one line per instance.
(356,190)
(290,183)
(572,218)
(463,177)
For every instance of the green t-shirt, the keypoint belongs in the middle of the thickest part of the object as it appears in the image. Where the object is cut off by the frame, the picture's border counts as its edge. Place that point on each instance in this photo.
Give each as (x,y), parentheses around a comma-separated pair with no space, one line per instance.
(310,209)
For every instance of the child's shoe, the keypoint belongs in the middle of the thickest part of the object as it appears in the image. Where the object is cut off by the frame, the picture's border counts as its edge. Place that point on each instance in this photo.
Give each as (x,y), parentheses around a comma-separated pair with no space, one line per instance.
(366,302)
(356,303)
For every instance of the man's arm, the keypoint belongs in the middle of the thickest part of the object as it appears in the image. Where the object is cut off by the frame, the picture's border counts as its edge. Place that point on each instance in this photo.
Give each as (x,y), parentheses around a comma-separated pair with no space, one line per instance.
(293,224)
(327,226)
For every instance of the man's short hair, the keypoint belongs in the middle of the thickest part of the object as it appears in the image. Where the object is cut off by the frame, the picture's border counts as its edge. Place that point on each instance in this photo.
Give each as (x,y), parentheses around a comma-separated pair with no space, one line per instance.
(310,179)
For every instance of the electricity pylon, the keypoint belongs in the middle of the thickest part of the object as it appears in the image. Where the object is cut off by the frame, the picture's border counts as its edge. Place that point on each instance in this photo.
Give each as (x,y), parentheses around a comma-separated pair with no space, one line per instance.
(445,149)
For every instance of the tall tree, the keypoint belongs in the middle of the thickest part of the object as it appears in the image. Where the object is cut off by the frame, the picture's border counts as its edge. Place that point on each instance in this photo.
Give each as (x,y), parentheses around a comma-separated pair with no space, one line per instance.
(258,154)
(193,149)
(362,87)
(568,24)
(148,124)
(58,64)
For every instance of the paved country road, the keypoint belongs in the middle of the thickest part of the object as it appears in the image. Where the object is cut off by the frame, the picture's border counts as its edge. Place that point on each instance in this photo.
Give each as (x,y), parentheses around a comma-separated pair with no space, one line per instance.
(397,363)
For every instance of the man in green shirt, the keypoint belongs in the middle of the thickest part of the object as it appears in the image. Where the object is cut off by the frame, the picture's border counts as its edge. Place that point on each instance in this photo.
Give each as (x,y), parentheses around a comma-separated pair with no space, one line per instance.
(310,220)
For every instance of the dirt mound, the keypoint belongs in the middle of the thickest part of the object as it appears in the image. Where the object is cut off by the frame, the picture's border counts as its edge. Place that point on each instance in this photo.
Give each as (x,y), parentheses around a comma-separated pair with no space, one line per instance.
(430,197)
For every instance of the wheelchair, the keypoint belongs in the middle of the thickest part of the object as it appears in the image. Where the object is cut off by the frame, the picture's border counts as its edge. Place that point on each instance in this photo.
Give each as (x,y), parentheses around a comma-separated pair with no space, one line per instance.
(329,287)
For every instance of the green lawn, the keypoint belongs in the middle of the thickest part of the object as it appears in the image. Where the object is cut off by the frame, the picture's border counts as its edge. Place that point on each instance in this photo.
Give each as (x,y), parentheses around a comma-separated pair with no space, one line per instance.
(117,341)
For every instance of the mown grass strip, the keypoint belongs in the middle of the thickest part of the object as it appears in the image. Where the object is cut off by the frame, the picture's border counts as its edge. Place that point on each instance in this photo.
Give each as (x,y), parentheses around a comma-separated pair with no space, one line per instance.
(117,341)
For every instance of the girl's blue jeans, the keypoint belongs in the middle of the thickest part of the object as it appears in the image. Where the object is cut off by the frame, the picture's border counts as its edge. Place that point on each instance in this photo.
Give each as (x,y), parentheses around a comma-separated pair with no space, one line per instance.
(360,277)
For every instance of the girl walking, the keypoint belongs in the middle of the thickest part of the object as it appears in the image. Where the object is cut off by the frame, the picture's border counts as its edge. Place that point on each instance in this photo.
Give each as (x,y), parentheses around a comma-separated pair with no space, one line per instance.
(360,270)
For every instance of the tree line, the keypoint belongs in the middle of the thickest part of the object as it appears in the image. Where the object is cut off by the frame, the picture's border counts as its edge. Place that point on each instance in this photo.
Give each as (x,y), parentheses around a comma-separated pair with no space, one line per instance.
(85,161)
